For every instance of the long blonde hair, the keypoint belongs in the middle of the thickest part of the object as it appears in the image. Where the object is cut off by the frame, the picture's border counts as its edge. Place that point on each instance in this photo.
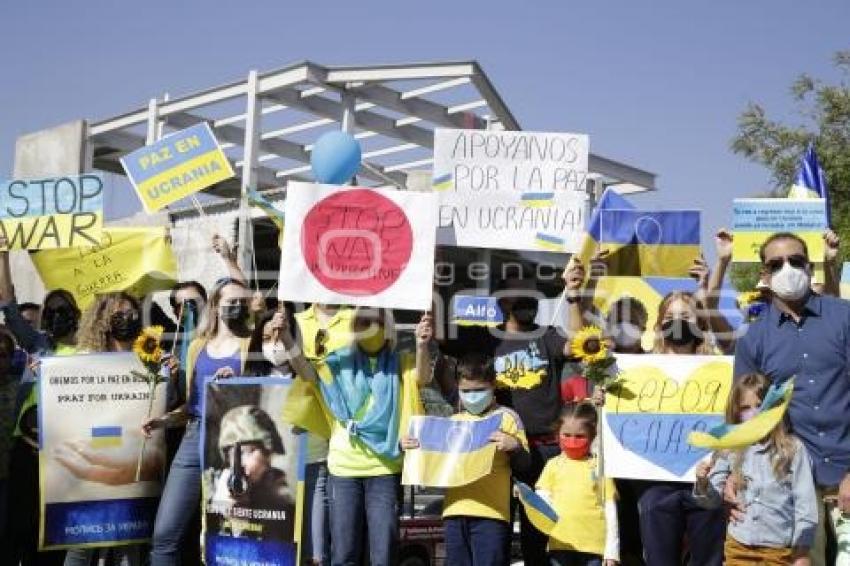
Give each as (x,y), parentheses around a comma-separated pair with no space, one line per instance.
(703,343)
(208,326)
(95,334)
(781,444)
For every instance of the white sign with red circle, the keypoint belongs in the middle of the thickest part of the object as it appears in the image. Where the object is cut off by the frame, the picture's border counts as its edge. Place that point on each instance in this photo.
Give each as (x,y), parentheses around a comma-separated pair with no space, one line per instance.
(358,246)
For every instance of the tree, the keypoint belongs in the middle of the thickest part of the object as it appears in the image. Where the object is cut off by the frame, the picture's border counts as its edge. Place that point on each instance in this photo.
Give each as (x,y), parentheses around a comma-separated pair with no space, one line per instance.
(824,110)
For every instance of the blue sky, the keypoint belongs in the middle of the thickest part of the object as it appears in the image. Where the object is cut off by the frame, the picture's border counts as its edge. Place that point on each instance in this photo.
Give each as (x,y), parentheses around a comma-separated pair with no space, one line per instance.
(658,85)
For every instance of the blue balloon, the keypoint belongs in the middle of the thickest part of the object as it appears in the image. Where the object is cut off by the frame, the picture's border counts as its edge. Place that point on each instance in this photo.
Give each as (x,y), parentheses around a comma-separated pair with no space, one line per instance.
(335,158)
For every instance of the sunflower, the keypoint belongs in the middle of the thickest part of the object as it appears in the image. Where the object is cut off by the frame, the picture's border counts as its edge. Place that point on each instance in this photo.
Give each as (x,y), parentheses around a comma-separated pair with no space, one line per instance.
(588,345)
(148,345)
(750,297)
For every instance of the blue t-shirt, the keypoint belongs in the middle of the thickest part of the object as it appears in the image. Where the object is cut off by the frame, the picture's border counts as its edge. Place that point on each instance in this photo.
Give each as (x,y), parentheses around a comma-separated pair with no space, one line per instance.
(206,366)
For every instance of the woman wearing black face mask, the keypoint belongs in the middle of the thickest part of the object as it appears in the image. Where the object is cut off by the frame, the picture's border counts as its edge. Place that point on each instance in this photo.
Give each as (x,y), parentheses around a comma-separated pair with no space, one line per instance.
(220,350)
(60,319)
(682,328)
(110,324)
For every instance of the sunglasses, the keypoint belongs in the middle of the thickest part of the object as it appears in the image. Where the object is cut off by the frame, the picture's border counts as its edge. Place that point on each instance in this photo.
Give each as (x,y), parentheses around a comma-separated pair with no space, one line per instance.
(320,346)
(798,261)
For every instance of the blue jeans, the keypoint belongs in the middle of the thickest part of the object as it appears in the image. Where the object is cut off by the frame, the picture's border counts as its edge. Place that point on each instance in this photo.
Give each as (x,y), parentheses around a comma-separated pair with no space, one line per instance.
(476,541)
(359,504)
(316,543)
(668,516)
(573,558)
(180,499)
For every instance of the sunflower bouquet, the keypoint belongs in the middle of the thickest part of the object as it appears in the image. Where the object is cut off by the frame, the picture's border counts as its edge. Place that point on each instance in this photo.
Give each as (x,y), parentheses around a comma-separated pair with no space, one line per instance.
(590,348)
(148,347)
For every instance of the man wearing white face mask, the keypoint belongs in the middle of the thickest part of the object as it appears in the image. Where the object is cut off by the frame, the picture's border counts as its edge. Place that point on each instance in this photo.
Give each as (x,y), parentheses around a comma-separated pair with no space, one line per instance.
(805,336)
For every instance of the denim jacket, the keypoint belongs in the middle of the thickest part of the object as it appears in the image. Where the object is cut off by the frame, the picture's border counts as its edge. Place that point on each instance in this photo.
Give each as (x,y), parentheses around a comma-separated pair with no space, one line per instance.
(777,513)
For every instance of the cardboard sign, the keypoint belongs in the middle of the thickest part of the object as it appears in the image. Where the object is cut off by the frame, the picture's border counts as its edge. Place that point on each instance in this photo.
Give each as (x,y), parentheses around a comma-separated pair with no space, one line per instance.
(510,190)
(358,246)
(249,497)
(62,212)
(754,220)
(177,166)
(91,410)
(656,401)
(137,260)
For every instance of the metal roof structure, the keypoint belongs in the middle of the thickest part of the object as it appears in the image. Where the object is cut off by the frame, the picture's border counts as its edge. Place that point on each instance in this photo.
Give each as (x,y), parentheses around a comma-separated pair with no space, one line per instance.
(268,122)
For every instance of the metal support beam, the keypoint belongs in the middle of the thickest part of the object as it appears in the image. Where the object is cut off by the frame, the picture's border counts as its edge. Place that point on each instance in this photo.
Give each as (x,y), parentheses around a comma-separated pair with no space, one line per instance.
(372,121)
(419,107)
(249,176)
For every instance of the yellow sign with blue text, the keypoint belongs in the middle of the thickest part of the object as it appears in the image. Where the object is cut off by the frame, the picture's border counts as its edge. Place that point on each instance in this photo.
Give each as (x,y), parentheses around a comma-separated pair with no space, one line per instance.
(177,166)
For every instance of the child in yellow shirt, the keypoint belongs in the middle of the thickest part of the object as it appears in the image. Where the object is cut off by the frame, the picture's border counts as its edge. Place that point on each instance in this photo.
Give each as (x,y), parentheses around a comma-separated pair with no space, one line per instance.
(586,532)
(477,516)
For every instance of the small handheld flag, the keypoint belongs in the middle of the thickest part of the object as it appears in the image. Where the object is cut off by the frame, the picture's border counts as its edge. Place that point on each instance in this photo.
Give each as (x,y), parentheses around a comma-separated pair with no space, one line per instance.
(540,513)
(736,436)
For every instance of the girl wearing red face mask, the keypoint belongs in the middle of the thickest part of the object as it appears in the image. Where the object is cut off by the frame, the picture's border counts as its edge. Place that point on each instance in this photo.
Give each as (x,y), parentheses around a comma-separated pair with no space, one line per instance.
(586,532)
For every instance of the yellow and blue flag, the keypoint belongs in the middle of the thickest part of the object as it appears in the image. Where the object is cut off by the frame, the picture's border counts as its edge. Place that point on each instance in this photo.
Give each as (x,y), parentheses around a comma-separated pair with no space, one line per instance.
(442,182)
(537,200)
(275,215)
(451,453)
(650,243)
(610,200)
(540,513)
(549,242)
(736,436)
(811,180)
(105,436)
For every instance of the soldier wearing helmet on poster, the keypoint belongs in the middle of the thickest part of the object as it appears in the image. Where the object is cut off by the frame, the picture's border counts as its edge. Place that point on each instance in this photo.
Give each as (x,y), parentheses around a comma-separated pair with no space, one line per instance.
(251,494)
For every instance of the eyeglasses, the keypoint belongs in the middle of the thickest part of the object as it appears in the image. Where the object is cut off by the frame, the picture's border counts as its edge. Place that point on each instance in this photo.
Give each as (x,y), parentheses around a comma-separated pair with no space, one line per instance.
(798,261)
(320,346)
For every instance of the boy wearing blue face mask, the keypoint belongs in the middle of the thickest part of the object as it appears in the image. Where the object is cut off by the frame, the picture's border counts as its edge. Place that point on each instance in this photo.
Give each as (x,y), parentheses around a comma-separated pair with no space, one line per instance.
(477,516)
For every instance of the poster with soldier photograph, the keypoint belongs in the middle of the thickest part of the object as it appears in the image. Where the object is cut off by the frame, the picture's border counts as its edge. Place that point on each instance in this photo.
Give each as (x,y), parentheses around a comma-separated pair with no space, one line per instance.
(251,466)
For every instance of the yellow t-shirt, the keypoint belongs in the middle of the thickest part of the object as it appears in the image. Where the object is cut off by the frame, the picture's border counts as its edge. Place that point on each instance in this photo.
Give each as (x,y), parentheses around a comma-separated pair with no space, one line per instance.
(347,455)
(490,496)
(573,491)
(338,329)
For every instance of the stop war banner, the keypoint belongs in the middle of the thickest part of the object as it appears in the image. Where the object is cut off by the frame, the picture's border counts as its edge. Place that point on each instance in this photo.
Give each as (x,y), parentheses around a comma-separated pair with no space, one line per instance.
(510,190)
(177,166)
(358,246)
(49,213)
(91,410)
(652,407)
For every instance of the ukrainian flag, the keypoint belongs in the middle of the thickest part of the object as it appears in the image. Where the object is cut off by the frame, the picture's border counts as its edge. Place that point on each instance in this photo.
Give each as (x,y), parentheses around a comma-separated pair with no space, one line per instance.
(537,200)
(845,281)
(736,436)
(442,182)
(610,200)
(274,214)
(549,242)
(811,179)
(105,436)
(451,453)
(642,243)
(540,513)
